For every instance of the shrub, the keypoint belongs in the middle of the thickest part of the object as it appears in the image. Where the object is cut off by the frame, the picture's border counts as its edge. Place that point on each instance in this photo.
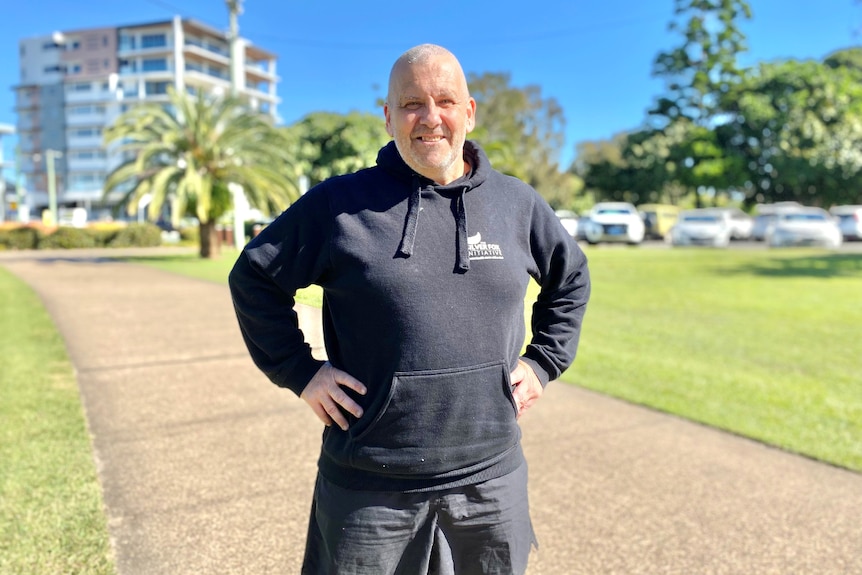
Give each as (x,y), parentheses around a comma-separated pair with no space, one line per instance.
(68,238)
(136,235)
(23,238)
(190,234)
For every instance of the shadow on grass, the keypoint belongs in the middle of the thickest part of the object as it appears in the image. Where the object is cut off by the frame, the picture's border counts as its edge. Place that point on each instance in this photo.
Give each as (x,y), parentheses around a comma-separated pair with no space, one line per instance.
(814,266)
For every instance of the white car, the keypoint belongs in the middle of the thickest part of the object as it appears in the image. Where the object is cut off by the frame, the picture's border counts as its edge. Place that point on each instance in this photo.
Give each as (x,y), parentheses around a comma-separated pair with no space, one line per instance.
(741,224)
(569,219)
(704,227)
(804,227)
(613,222)
(849,220)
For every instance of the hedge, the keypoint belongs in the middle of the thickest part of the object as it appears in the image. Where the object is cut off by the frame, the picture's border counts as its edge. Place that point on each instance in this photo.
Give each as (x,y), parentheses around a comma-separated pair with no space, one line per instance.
(30,238)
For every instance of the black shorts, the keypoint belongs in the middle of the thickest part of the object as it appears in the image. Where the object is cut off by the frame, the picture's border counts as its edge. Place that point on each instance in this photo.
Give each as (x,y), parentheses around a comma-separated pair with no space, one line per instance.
(481,529)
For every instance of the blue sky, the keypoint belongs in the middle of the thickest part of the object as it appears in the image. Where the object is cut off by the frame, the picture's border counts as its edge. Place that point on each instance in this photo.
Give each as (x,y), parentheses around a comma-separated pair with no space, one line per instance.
(593,57)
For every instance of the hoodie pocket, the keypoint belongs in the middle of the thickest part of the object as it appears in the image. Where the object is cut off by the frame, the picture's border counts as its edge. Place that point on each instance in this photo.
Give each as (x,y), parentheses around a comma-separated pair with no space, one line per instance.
(438,422)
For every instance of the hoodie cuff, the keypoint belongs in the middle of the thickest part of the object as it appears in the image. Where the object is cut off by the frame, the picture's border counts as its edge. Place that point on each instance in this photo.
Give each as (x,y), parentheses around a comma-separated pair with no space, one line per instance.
(299,375)
(544,376)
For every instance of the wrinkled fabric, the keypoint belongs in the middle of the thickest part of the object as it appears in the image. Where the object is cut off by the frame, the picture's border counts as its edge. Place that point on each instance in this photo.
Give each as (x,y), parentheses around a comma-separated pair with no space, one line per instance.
(483,529)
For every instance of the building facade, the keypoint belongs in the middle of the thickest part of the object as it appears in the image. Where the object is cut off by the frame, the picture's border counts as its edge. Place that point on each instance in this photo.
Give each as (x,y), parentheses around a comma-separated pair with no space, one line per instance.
(74,84)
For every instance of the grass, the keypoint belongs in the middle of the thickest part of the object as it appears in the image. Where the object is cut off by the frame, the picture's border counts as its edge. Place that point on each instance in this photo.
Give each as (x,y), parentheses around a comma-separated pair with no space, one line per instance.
(51,516)
(762,343)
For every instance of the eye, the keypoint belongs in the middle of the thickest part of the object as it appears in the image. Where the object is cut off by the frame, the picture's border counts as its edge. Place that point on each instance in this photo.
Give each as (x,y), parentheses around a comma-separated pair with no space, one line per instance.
(412,105)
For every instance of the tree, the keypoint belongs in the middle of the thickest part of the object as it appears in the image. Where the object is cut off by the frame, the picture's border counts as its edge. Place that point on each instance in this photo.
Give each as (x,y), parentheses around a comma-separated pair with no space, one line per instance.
(327,144)
(798,126)
(698,72)
(193,151)
(522,133)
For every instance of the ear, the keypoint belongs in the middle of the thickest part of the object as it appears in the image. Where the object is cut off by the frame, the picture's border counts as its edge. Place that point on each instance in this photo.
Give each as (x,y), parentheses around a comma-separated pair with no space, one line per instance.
(388,120)
(471,115)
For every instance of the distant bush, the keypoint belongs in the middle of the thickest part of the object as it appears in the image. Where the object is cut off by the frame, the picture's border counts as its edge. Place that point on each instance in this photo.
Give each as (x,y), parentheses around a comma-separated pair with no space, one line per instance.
(23,238)
(104,236)
(69,238)
(190,234)
(136,235)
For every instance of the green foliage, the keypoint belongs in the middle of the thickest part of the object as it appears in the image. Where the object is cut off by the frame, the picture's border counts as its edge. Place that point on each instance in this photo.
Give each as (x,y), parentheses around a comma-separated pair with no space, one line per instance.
(797,126)
(51,517)
(698,72)
(68,238)
(326,144)
(522,133)
(29,238)
(190,152)
(136,235)
(21,238)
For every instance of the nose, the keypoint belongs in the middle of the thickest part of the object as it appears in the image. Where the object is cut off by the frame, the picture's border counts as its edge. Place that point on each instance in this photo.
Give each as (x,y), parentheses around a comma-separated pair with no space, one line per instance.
(430,115)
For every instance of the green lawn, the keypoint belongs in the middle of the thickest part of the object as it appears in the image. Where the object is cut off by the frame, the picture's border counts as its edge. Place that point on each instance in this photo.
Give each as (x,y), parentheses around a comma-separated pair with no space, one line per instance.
(763,343)
(51,516)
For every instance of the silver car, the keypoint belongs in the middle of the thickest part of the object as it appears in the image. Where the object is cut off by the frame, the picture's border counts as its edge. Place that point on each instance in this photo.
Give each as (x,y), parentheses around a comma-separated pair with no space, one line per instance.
(805,227)
(849,220)
(704,227)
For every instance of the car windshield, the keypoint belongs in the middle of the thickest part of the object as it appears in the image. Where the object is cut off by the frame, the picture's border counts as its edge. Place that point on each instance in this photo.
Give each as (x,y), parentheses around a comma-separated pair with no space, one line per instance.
(698,218)
(613,211)
(804,218)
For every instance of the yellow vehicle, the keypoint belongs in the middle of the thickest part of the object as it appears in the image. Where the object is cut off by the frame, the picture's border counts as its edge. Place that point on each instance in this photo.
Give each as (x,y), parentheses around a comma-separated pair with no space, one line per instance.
(658,219)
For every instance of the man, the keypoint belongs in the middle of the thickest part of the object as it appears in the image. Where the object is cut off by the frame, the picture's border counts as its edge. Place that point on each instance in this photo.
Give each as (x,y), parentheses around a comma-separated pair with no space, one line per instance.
(424,262)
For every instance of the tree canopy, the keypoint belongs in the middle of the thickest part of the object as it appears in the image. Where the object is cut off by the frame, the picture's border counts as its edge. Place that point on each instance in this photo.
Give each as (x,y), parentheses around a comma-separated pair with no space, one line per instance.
(192,151)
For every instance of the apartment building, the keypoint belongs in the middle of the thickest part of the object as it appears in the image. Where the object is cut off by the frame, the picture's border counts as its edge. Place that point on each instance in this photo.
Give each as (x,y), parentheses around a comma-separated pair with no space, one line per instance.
(73,84)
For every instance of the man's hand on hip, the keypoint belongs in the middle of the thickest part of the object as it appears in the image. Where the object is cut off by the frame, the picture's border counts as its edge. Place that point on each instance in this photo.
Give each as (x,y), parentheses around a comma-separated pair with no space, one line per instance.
(528,388)
(327,399)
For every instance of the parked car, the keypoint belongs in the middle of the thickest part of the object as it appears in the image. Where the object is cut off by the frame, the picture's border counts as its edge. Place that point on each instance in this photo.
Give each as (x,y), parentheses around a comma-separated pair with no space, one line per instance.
(569,219)
(805,227)
(765,216)
(658,219)
(703,227)
(613,222)
(761,225)
(849,220)
(740,223)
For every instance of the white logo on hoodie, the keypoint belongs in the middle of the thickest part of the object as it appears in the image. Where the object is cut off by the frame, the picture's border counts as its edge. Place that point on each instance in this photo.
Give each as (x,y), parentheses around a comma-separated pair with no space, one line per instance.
(479,250)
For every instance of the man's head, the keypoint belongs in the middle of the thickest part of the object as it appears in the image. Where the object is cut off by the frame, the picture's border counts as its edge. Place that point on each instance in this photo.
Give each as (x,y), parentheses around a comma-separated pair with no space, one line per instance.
(429,112)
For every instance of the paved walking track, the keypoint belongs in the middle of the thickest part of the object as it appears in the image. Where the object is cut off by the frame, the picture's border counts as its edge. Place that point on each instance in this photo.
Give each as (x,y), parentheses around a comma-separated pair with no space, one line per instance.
(207,468)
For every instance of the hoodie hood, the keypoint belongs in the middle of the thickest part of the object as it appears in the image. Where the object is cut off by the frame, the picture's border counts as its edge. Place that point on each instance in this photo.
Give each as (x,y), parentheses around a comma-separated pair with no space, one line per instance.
(390,160)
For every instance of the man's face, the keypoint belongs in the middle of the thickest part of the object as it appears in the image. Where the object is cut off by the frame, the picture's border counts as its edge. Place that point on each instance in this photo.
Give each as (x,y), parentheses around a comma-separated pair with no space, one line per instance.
(429,113)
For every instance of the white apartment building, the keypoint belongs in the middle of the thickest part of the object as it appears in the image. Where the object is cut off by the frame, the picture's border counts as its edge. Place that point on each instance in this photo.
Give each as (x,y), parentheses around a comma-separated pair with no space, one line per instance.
(73,84)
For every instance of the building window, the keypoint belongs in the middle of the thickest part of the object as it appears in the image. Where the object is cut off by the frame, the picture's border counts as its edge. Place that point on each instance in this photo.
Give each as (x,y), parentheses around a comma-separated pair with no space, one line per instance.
(157,88)
(57,68)
(127,42)
(154,65)
(154,41)
(79,87)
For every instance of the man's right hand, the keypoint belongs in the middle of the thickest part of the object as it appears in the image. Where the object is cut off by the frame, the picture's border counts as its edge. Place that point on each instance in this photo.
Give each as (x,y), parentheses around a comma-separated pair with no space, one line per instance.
(326,398)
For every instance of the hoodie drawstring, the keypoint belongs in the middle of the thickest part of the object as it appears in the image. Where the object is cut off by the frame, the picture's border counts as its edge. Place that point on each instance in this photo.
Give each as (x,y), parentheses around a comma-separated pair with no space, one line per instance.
(463,253)
(409,236)
(408,239)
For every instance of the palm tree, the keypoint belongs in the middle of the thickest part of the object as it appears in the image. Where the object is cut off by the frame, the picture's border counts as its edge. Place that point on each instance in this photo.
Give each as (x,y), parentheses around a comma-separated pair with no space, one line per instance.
(194,152)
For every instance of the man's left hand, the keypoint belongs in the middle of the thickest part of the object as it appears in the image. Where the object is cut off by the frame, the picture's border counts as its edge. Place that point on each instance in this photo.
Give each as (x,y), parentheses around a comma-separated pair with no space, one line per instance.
(528,388)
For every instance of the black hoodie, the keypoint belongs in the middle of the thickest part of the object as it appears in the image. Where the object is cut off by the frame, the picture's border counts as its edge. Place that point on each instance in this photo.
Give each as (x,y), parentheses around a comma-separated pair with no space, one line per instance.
(423,302)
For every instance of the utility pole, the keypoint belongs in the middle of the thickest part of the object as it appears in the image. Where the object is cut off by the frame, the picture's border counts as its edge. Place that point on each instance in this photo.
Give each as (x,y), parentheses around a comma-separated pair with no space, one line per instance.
(235,9)
(240,202)
(50,156)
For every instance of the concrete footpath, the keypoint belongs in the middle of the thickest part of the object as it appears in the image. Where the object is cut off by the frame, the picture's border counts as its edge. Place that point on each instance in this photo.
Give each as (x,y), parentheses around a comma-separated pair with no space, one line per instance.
(207,468)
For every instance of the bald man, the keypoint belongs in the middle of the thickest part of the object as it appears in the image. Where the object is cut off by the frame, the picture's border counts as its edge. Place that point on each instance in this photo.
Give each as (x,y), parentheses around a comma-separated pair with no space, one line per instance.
(424,261)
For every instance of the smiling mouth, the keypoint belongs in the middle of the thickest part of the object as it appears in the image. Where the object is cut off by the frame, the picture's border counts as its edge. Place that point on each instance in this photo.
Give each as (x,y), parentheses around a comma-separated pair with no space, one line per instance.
(430,139)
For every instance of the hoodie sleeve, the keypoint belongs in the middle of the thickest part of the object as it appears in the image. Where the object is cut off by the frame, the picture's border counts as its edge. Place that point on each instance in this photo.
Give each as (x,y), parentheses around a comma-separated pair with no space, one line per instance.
(289,254)
(564,279)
